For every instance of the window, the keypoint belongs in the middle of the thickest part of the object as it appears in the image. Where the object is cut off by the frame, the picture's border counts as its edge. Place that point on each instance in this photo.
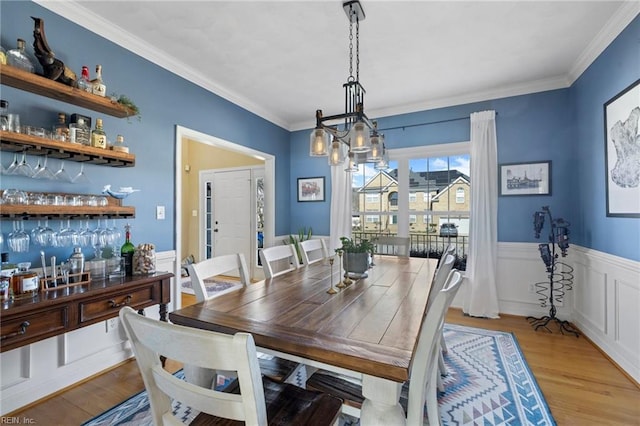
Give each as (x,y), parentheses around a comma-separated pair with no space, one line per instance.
(426,197)
(413,197)
(413,218)
(373,198)
(460,196)
(372,219)
(426,218)
(393,199)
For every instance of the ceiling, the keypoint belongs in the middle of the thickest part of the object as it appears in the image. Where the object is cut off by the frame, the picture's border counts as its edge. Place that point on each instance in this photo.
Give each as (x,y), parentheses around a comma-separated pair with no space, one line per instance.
(284,59)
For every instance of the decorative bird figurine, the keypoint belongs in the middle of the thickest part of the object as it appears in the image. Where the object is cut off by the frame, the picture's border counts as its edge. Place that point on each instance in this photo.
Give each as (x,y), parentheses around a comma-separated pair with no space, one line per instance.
(53,68)
(123,193)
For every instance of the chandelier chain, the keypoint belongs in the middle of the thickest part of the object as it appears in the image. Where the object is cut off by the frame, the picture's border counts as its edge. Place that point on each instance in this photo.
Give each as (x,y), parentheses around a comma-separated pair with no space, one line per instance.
(357,49)
(350,50)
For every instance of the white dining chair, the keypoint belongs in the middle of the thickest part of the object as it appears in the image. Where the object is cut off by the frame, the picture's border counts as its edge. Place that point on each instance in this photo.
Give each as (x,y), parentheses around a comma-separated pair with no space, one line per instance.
(279,260)
(230,264)
(313,251)
(421,386)
(393,245)
(258,401)
(277,369)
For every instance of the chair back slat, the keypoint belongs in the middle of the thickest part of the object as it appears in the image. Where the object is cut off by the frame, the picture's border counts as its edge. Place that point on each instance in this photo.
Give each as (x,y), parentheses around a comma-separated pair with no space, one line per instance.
(440,278)
(278,260)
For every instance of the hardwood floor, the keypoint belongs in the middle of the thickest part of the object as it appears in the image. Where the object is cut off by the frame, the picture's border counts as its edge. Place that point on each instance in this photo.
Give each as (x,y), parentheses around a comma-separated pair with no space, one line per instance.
(581,386)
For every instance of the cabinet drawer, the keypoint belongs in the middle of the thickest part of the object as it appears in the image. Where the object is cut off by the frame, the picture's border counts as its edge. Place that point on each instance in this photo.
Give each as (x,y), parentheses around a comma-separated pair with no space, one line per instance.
(19,330)
(109,306)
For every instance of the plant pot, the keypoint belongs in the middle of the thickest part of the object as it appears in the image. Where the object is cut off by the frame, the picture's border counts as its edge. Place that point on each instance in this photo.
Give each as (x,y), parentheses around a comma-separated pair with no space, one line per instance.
(356,263)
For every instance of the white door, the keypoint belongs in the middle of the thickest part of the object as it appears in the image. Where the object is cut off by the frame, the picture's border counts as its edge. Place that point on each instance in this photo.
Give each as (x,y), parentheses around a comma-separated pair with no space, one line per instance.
(226,212)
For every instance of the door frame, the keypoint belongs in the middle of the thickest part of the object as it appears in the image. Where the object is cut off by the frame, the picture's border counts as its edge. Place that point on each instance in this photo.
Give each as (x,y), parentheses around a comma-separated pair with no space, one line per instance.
(183,133)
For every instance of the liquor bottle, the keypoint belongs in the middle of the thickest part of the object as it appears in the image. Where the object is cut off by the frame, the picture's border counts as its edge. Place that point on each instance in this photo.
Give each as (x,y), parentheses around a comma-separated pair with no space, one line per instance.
(18,58)
(80,129)
(61,129)
(98,86)
(126,252)
(120,146)
(84,83)
(98,136)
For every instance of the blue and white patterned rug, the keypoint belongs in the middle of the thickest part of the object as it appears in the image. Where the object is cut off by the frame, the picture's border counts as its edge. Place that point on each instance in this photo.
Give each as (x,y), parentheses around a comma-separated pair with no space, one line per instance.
(488,383)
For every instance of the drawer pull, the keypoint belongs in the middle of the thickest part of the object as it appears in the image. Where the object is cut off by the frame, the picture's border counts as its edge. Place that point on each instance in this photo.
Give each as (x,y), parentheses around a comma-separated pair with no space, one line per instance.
(23,330)
(113,304)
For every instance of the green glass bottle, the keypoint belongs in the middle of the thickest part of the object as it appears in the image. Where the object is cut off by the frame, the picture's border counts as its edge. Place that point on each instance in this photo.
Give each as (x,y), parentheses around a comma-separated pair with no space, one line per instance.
(126,251)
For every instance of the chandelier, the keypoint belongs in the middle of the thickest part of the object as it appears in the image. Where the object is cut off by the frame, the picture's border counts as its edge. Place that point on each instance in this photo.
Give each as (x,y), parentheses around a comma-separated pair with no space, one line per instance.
(358,139)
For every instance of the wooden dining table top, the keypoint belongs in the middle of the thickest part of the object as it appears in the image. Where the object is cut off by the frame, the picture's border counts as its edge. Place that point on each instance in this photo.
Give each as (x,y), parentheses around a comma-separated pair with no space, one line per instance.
(370,327)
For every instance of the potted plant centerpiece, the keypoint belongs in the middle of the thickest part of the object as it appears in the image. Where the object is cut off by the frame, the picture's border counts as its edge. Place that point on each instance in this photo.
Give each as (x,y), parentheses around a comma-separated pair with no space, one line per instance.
(355,256)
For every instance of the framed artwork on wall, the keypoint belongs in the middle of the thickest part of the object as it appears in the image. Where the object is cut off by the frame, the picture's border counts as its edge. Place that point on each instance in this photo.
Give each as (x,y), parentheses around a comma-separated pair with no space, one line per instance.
(311,189)
(525,178)
(622,152)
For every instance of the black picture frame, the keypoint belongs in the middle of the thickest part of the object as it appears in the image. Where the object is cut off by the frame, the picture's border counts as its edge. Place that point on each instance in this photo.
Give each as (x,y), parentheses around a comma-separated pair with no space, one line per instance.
(311,189)
(621,117)
(525,179)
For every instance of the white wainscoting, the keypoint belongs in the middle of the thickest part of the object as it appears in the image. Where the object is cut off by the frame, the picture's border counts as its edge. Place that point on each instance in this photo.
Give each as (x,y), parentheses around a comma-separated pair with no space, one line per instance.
(32,372)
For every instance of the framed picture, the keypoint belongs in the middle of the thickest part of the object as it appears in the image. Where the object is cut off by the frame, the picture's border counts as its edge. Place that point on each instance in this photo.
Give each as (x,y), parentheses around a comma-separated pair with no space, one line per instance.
(621,139)
(311,189)
(525,178)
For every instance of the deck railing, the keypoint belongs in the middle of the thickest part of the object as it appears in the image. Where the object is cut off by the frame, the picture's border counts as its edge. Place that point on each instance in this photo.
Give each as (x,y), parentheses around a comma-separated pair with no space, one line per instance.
(425,245)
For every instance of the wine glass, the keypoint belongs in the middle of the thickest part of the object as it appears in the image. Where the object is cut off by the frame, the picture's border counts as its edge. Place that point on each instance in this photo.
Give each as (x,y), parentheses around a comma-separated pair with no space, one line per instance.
(81,177)
(43,172)
(85,236)
(23,168)
(18,240)
(46,236)
(12,166)
(62,174)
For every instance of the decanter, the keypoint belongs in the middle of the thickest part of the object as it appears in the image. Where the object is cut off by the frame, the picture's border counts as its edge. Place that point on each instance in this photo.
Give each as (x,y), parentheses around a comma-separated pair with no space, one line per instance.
(18,58)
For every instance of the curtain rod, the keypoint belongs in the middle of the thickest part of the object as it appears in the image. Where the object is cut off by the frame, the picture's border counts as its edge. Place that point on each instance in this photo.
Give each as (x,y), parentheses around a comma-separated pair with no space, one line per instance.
(427,123)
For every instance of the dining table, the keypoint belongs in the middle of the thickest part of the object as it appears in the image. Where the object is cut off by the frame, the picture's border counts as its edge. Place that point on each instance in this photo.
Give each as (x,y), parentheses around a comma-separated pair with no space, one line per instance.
(367,330)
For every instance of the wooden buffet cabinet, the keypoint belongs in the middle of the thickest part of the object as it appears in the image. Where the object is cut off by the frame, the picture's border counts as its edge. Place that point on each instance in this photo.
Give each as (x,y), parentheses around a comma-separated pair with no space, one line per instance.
(53,312)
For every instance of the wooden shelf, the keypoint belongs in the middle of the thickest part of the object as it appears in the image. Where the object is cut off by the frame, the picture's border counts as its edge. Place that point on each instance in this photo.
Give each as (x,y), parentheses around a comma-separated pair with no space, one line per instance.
(42,86)
(18,142)
(114,209)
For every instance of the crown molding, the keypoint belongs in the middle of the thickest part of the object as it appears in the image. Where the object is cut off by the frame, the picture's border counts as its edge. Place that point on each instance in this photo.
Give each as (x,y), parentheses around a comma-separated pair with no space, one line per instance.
(82,16)
(553,83)
(614,26)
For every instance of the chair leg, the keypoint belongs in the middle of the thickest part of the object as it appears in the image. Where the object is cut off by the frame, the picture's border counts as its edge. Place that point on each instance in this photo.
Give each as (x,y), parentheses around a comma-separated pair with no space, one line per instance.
(443,344)
(433,412)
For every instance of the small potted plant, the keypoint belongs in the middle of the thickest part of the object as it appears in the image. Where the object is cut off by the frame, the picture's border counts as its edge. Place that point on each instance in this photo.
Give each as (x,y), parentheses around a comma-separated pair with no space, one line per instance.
(355,255)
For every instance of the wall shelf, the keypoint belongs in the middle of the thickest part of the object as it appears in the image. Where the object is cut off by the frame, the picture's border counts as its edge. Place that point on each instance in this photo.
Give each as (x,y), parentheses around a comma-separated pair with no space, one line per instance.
(113,209)
(42,86)
(18,142)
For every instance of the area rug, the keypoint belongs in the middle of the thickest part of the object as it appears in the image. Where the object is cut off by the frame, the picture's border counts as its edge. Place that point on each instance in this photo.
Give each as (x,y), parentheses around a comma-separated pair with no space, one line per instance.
(488,382)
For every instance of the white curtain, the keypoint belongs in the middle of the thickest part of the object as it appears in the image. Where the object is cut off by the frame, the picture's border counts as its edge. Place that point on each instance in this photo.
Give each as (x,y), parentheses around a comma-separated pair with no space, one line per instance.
(340,220)
(481,298)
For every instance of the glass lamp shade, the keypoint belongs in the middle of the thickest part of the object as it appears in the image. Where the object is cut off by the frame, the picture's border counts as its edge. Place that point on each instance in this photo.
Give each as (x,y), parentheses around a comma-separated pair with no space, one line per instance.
(383,163)
(318,143)
(352,164)
(336,153)
(359,138)
(376,149)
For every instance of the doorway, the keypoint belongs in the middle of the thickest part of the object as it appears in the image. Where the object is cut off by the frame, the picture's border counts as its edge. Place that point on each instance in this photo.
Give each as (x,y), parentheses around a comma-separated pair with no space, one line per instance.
(187,209)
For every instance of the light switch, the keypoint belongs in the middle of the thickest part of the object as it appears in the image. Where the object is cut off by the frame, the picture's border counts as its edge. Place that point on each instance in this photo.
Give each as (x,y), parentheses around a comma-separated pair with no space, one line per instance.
(160,212)
(194,213)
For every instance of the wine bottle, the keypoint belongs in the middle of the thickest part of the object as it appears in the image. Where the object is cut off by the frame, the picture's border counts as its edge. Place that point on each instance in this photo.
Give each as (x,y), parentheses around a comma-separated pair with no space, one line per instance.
(98,136)
(127,252)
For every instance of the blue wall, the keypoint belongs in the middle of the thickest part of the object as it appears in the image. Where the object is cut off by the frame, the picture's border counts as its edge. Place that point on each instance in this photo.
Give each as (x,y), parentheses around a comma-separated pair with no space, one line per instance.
(164,99)
(614,70)
(534,127)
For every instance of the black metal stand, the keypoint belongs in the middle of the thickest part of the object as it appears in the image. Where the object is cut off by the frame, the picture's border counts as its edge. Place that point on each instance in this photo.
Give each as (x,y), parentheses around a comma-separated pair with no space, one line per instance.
(559,282)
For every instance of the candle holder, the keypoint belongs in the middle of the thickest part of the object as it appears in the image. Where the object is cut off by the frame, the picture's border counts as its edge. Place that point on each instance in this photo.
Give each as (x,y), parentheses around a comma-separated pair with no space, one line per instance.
(331,289)
(340,284)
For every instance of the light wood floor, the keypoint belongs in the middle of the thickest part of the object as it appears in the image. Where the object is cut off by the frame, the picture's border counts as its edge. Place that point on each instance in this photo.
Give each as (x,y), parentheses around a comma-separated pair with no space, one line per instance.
(581,386)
